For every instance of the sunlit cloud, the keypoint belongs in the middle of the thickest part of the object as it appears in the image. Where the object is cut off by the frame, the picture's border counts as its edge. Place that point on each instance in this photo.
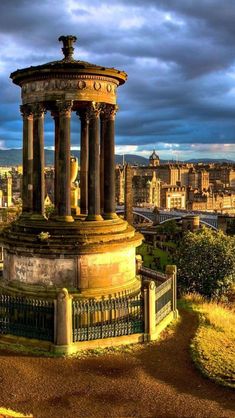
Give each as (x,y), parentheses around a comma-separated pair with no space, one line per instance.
(179,56)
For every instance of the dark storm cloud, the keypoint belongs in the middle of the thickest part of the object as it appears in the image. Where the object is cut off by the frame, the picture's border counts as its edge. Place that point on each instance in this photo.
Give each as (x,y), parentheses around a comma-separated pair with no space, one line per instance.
(179,56)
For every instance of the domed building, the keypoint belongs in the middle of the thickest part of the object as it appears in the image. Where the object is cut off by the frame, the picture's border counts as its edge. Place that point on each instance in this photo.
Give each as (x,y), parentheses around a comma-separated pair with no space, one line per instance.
(154,159)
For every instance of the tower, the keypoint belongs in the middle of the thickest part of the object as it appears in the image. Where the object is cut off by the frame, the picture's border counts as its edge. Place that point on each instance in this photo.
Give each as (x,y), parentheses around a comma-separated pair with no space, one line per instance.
(154,160)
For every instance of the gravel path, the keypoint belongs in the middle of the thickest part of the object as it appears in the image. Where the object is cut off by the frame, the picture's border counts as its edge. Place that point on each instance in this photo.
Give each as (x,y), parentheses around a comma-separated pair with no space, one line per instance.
(156,380)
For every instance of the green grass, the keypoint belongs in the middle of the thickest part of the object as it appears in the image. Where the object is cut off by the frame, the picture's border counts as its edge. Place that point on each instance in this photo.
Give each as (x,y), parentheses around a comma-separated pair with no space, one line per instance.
(12,414)
(213,347)
(168,244)
(165,258)
(26,350)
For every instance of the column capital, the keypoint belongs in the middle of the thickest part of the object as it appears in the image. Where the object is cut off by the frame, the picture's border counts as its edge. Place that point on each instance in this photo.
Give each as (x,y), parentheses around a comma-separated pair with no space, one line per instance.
(108,111)
(94,110)
(26,111)
(38,110)
(83,115)
(62,108)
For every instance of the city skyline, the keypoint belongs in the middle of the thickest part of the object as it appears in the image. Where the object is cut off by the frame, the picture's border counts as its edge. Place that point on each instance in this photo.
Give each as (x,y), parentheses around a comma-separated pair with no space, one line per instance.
(180,94)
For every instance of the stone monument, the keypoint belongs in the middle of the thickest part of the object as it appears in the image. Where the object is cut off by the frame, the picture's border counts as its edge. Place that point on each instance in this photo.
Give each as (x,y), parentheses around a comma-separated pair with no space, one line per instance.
(91,254)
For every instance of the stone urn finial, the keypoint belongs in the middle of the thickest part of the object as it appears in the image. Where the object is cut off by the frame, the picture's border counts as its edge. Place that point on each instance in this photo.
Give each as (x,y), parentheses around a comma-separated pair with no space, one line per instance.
(68,46)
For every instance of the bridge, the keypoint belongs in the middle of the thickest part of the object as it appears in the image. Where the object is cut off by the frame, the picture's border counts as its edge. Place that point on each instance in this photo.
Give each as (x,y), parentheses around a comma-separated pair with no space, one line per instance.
(162,216)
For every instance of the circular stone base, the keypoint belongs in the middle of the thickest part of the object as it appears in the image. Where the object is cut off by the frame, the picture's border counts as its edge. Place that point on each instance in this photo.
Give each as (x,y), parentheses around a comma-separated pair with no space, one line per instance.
(93,259)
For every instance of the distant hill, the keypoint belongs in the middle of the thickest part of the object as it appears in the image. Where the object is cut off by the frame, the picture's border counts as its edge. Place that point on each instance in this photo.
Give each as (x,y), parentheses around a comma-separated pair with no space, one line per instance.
(209,160)
(12,157)
(131,159)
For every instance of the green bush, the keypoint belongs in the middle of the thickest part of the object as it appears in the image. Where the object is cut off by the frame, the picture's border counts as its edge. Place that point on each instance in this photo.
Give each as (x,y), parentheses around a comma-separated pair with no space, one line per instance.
(206,263)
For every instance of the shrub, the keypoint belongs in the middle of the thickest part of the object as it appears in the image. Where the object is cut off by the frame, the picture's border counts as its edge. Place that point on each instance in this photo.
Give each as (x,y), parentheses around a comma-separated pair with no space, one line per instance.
(206,263)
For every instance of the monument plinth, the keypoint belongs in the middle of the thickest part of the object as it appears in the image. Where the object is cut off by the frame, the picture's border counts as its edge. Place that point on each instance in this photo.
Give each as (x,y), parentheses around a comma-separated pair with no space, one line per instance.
(91,254)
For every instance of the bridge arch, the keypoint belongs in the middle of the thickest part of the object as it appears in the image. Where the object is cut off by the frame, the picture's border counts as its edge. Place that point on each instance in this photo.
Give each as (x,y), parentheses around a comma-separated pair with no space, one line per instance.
(178,218)
(209,225)
(141,215)
(175,218)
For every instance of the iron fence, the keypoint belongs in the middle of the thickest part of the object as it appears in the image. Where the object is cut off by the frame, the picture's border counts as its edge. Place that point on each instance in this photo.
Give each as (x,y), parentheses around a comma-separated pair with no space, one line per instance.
(107,318)
(164,300)
(31,318)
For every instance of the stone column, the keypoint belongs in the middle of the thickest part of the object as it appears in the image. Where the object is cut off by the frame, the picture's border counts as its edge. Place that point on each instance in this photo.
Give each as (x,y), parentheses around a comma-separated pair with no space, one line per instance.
(84,117)
(94,165)
(62,174)
(38,161)
(55,115)
(102,145)
(27,186)
(109,158)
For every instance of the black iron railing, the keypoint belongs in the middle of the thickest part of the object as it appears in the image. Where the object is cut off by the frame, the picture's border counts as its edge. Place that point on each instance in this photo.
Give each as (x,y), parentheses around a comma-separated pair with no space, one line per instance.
(31,318)
(107,318)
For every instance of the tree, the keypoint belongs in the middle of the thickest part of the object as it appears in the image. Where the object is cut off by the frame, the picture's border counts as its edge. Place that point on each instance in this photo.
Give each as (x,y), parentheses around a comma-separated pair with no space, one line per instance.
(169,227)
(206,263)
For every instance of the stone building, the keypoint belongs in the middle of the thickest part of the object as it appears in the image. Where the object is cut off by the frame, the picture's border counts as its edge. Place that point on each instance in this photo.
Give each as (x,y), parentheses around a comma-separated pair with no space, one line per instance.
(223,173)
(146,190)
(173,197)
(119,184)
(206,186)
(198,179)
(6,189)
(16,173)
(223,202)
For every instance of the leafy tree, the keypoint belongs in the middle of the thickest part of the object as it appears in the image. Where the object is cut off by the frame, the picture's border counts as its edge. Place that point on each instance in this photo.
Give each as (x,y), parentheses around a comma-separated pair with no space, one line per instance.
(169,227)
(206,263)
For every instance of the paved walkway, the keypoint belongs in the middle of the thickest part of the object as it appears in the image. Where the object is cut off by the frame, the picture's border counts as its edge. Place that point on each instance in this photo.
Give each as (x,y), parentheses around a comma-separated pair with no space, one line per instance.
(156,380)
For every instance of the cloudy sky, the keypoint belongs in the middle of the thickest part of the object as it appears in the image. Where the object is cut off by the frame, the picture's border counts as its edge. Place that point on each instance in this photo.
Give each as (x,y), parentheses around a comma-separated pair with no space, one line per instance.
(179,56)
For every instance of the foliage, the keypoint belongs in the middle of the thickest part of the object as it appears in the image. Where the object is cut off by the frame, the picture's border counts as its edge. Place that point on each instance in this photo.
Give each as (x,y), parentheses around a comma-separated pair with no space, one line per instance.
(206,263)
(49,210)
(44,236)
(169,227)
(213,347)
(10,214)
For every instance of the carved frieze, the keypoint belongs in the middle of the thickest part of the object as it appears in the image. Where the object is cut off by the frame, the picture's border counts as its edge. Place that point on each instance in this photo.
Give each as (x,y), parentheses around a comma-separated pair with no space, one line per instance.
(84,88)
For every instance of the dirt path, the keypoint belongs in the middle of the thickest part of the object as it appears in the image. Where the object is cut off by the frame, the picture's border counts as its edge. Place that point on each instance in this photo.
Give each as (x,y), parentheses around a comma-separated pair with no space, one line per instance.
(157,380)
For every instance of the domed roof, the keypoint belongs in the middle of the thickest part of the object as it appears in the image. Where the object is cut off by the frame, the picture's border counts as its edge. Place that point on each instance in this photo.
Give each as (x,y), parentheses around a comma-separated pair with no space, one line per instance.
(154,156)
(66,65)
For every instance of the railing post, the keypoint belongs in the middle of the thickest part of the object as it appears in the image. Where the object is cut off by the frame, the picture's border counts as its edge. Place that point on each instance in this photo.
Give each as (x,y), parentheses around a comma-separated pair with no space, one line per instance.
(138,263)
(63,321)
(146,316)
(150,309)
(171,271)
